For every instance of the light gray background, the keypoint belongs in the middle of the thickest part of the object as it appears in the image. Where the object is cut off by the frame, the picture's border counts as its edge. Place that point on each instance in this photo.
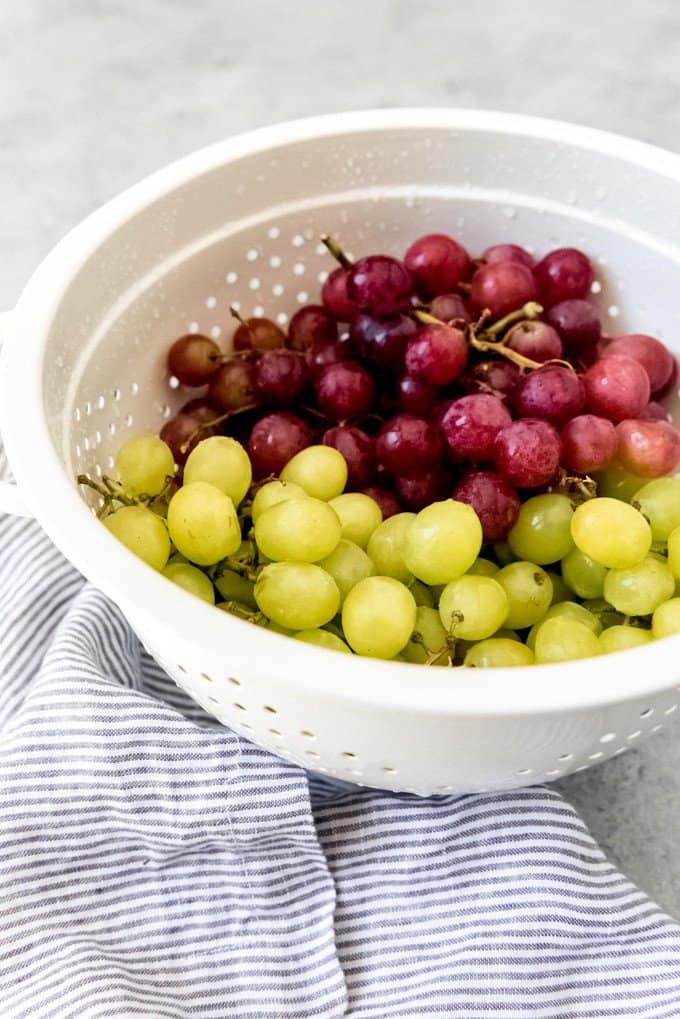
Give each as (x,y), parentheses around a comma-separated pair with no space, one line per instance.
(96,93)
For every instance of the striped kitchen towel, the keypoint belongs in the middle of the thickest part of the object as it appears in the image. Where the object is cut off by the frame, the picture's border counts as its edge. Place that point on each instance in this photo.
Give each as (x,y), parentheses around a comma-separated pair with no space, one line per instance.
(152,863)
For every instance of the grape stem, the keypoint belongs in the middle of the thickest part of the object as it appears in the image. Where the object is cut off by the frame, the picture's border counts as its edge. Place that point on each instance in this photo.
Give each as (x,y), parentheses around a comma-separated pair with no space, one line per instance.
(216,421)
(486,340)
(336,251)
(578,487)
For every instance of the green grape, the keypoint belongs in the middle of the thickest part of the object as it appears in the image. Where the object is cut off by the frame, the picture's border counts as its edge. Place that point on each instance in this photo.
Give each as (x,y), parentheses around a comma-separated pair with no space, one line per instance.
(203,523)
(483,568)
(666,618)
(659,501)
(347,565)
(620,638)
(398,658)
(428,638)
(674,552)
(422,594)
(583,575)
(505,634)
(322,638)
(233,587)
(386,547)
(640,589)
(142,532)
(563,639)
(542,533)
(320,470)
(442,542)
(498,653)
(504,553)
(602,610)
(378,617)
(241,611)
(359,516)
(143,464)
(566,610)
(298,530)
(177,557)
(560,590)
(529,592)
(222,462)
(272,493)
(473,607)
(192,580)
(611,533)
(298,596)
(618,483)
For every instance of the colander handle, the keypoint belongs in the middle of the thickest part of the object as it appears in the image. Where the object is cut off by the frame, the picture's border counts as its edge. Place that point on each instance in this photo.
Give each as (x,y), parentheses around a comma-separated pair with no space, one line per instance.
(11,500)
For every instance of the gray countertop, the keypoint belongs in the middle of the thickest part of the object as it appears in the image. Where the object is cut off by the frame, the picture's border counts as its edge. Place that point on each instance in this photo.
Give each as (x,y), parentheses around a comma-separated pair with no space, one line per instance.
(95,94)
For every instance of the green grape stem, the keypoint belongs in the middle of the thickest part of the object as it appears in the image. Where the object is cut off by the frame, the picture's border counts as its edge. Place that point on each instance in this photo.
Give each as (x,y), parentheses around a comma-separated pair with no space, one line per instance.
(490,340)
(579,488)
(336,251)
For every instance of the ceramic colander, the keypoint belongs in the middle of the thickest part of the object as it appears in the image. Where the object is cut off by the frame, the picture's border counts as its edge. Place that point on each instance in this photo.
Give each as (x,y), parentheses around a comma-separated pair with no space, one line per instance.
(82,368)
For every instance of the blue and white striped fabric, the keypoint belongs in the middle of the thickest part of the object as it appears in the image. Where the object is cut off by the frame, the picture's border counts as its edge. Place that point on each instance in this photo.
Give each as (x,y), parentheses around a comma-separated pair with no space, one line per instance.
(154,864)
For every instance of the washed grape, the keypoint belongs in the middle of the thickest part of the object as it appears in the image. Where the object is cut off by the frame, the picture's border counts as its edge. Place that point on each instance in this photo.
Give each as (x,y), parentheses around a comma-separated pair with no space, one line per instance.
(320,470)
(222,462)
(473,607)
(298,530)
(378,617)
(442,542)
(299,596)
(359,516)
(143,532)
(203,523)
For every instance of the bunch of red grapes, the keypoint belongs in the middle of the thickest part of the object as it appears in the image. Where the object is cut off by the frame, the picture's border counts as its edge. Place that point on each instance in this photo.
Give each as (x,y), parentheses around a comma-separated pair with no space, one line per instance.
(440,375)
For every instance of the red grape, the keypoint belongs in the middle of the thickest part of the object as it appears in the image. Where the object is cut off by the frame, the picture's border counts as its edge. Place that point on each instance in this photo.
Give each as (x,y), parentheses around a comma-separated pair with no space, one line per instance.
(327,353)
(407,444)
(181,433)
(671,385)
(200,408)
(536,340)
(450,308)
(493,500)
(344,390)
(233,385)
(564,273)
(437,354)
(588,443)
(577,322)
(416,397)
(527,452)
(439,412)
(382,341)
(358,450)
(280,377)
(334,295)
(275,439)
(654,412)
(617,387)
(258,334)
(508,253)
(470,426)
(553,392)
(437,263)
(502,287)
(310,327)
(194,359)
(654,357)
(380,285)
(497,378)
(388,502)
(650,449)
(416,491)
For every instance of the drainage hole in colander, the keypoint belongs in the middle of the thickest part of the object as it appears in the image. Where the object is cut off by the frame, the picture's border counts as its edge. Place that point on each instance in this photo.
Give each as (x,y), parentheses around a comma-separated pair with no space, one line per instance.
(671,709)
(307,734)
(647,713)
(234,681)
(608,737)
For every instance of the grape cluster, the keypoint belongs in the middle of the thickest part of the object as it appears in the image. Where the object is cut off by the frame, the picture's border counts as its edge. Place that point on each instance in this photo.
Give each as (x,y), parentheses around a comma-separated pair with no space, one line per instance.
(445,461)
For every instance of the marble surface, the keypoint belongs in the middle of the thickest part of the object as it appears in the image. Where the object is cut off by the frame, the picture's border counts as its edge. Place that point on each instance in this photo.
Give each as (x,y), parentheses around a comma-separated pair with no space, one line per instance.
(94,94)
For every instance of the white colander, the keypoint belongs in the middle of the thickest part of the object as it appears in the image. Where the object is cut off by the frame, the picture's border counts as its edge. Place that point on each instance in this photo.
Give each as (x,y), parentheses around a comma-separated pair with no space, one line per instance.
(83,367)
